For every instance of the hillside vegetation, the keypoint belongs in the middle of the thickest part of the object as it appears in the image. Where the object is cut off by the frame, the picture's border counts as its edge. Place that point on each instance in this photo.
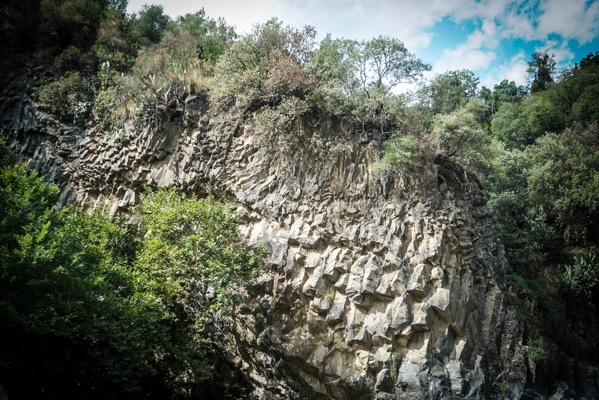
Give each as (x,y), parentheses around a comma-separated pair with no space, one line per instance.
(534,150)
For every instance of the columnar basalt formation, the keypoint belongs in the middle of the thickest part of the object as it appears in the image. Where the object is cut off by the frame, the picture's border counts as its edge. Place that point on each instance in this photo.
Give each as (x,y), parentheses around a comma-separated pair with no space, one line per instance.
(378,286)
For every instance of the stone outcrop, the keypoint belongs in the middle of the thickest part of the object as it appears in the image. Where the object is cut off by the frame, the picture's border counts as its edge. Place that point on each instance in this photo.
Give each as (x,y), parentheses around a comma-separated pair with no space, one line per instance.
(378,286)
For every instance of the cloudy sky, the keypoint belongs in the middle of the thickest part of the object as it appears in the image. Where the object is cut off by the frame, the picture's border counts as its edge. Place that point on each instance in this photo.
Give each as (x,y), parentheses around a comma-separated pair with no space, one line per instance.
(493,38)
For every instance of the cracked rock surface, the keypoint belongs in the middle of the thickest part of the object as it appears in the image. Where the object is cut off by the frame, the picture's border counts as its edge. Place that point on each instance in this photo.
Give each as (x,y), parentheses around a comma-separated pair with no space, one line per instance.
(378,286)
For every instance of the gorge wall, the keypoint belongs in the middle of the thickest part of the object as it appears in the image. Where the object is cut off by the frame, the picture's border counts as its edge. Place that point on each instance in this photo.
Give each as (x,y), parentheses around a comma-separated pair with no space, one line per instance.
(381,286)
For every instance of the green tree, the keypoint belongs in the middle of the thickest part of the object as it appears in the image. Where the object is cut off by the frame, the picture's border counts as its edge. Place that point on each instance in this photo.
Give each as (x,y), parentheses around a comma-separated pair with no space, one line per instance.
(541,68)
(263,68)
(564,179)
(74,315)
(503,92)
(114,47)
(381,64)
(151,23)
(449,91)
(70,22)
(212,36)
(94,308)
(333,67)
(193,251)
(460,136)
(519,125)
(385,62)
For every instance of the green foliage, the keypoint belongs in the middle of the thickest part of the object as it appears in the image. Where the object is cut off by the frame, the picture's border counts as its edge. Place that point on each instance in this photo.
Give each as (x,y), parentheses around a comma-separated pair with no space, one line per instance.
(108,110)
(276,70)
(72,59)
(91,307)
(519,124)
(160,78)
(357,78)
(69,97)
(449,91)
(24,203)
(114,46)
(382,63)
(524,227)
(151,23)
(585,109)
(564,179)
(194,253)
(509,126)
(162,74)
(541,68)
(460,135)
(541,116)
(538,350)
(503,92)
(333,68)
(64,276)
(399,151)
(263,68)
(73,22)
(582,277)
(543,197)
(212,36)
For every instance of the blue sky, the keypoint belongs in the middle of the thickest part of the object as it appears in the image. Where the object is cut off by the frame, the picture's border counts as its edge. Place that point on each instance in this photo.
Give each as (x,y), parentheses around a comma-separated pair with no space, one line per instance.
(493,38)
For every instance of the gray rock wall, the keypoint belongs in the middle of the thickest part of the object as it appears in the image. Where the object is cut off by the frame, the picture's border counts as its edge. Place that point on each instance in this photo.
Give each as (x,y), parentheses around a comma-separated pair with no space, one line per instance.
(379,286)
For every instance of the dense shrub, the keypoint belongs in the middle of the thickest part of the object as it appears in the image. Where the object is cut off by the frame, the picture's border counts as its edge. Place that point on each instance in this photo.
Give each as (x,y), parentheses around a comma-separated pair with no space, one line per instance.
(263,68)
(582,277)
(461,136)
(70,97)
(564,178)
(94,308)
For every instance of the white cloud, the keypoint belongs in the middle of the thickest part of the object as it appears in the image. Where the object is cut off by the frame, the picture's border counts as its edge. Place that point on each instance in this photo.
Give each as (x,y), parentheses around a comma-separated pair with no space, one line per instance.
(518,21)
(496,22)
(408,21)
(514,70)
(463,57)
(571,19)
(476,53)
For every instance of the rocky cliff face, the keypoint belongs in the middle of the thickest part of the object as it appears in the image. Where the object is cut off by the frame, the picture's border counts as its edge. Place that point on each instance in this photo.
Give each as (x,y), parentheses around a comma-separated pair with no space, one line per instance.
(378,286)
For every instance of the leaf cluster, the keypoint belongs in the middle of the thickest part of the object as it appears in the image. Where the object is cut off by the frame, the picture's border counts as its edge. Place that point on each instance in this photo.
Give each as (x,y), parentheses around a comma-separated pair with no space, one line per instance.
(96,308)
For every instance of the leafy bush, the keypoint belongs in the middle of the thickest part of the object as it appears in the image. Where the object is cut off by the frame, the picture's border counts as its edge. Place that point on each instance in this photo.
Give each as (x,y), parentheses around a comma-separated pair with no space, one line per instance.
(564,179)
(582,277)
(399,151)
(72,59)
(537,350)
(193,250)
(263,68)
(70,22)
(149,26)
(70,97)
(91,307)
(212,36)
(356,79)
(110,109)
(461,136)
(449,91)
(114,45)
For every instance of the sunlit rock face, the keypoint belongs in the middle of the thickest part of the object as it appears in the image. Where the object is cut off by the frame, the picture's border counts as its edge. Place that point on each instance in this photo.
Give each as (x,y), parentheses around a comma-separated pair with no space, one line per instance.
(378,286)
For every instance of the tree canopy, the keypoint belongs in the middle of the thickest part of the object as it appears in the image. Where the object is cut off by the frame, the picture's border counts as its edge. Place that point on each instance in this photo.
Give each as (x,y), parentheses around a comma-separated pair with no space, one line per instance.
(94,307)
